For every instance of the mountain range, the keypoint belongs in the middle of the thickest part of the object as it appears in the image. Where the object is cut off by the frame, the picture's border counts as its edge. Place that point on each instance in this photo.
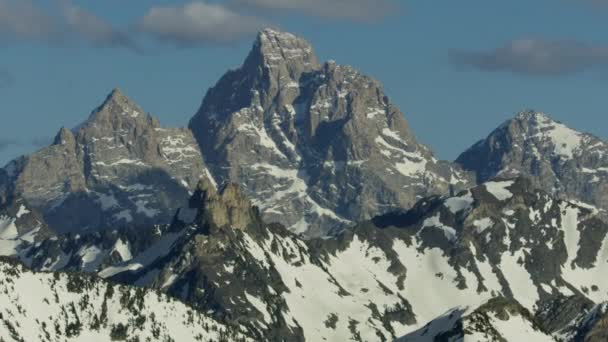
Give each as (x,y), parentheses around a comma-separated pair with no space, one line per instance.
(299,206)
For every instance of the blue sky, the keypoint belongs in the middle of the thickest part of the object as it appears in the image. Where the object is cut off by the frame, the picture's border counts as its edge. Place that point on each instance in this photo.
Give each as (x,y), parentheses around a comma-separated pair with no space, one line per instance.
(456,69)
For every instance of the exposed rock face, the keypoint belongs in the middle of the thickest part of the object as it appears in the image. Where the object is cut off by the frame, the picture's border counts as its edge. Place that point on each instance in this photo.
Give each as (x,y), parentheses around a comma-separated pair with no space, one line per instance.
(589,326)
(21,227)
(228,208)
(316,146)
(557,159)
(119,167)
(499,319)
(561,312)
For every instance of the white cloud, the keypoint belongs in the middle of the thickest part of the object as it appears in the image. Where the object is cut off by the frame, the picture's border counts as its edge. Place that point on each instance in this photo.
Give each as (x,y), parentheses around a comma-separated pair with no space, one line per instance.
(535,57)
(197,23)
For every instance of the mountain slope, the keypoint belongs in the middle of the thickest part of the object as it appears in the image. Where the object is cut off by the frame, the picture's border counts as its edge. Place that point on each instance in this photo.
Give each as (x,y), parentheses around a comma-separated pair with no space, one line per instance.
(499,239)
(314,145)
(558,159)
(119,167)
(72,307)
(367,283)
(20,228)
(498,319)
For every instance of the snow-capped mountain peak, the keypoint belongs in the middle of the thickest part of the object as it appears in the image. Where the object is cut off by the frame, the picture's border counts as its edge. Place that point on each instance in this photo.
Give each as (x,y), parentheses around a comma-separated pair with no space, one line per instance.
(558,159)
(544,130)
(324,137)
(277,48)
(116,112)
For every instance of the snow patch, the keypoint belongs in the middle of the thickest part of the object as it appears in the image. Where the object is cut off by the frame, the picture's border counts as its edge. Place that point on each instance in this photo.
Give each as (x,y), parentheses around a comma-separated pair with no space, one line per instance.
(499,189)
(460,203)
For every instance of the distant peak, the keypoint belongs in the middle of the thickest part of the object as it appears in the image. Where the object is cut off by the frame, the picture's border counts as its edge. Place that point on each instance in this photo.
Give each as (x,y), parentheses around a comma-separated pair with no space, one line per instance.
(270,34)
(566,141)
(277,47)
(117,103)
(115,110)
(116,96)
(532,115)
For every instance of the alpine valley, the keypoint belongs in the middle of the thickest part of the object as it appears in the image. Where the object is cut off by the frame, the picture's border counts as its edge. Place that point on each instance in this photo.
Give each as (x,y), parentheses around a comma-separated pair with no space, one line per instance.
(299,206)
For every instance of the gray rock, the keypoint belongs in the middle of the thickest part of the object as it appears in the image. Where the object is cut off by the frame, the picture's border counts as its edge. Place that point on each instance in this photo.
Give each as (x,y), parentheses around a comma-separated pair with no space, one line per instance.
(559,313)
(119,167)
(499,319)
(589,326)
(558,159)
(316,146)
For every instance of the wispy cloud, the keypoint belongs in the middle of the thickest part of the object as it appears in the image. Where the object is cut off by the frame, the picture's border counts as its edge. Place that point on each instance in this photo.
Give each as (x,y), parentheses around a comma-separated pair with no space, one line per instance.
(197,23)
(24,20)
(535,57)
(357,10)
(6,79)
(95,30)
(61,24)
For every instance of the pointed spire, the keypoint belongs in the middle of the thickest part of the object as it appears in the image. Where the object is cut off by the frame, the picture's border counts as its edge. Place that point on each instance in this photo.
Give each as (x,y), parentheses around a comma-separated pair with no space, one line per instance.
(116,92)
(63,137)
(116,108)
(225,207)
(116,98)
(274,48)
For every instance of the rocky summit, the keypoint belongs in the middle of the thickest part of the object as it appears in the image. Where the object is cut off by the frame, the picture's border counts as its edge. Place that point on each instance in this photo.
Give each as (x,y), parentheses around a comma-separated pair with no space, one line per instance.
(316,146)
(119,167)
(558,159)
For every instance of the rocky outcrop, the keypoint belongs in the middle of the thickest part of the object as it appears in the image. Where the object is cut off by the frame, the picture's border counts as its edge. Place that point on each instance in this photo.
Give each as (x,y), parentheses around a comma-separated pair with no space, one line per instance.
(119,167)
(316,146)
(225,207)
(499,319)
(559,313)
(588,326)
(228,207)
